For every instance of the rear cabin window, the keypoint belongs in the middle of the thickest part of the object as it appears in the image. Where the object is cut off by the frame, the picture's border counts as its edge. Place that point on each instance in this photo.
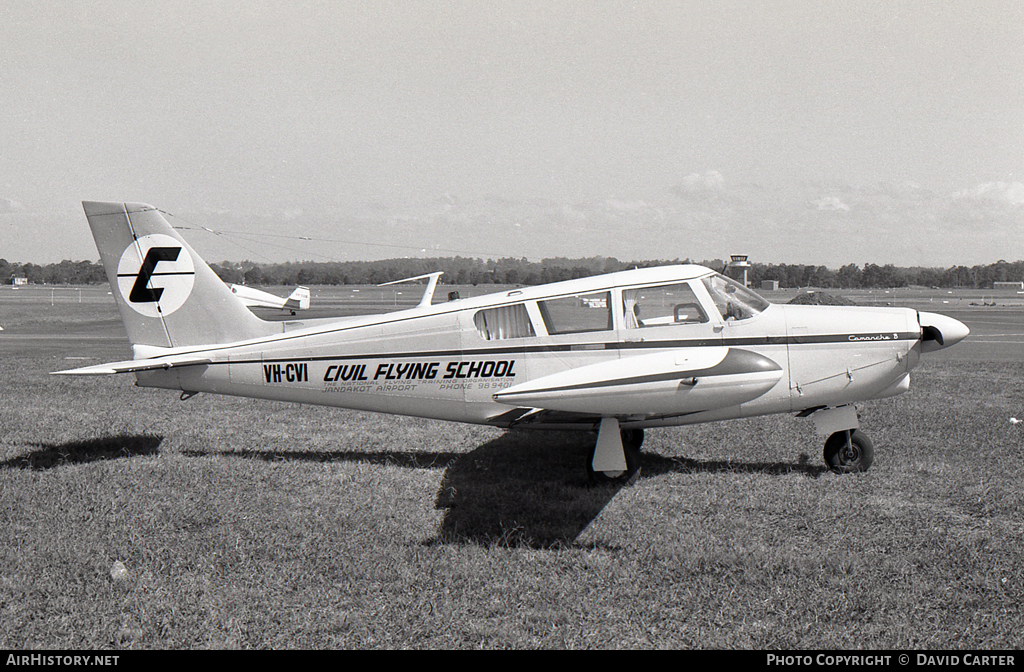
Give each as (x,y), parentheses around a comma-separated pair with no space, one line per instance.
(496,324)
(577,314)
(660,306)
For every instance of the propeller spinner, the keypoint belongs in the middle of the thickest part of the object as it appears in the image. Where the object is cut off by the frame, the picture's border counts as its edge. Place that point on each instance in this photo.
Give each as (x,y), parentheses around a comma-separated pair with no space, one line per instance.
(940,331)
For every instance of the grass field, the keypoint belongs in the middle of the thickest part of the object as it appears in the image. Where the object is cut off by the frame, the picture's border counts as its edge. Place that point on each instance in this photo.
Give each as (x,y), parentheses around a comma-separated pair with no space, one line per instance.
(131,519)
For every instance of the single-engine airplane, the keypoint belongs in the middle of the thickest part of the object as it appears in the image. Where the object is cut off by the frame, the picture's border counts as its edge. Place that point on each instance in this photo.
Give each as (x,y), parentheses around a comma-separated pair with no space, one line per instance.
(256,298)
(615,353)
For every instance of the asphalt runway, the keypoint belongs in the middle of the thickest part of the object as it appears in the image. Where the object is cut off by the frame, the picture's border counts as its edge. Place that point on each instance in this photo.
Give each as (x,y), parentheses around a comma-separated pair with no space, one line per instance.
(997,335)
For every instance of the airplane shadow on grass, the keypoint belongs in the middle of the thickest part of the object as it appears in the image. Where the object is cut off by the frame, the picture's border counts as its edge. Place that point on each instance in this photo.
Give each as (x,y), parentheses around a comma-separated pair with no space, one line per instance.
(531,488)
(48,456)
(524,489)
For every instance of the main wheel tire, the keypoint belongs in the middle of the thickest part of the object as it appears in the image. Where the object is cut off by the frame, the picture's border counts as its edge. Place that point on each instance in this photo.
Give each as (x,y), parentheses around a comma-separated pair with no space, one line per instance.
(848,452)
(616,477)
(632,438)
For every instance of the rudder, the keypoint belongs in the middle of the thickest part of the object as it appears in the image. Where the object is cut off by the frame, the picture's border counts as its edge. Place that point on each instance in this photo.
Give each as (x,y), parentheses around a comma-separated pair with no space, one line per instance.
(166,294)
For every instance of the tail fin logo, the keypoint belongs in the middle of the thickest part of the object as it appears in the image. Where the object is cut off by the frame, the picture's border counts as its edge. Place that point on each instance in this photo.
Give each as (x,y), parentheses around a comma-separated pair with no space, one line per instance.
(155,275)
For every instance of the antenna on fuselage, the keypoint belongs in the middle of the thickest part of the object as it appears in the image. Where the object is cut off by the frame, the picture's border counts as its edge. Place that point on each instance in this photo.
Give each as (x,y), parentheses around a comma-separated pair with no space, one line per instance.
(428,293)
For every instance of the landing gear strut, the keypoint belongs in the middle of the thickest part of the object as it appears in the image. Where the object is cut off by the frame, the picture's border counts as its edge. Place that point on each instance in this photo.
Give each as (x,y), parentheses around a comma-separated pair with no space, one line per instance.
(616,455)
(849,451)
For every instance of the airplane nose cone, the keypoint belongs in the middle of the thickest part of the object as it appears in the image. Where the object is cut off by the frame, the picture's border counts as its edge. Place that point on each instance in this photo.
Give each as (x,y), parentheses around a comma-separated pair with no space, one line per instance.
(940,331)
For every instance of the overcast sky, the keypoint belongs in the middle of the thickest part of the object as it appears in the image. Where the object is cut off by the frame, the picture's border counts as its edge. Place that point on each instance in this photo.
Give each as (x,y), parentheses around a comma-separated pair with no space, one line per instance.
(794,131)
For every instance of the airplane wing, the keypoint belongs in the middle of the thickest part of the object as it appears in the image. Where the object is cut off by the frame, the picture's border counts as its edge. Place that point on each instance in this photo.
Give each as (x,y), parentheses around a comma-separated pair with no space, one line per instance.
(428,292)
(685,380)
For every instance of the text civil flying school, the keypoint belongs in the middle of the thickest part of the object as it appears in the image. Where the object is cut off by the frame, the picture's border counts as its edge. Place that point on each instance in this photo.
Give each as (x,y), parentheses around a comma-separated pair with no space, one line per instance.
(299,373)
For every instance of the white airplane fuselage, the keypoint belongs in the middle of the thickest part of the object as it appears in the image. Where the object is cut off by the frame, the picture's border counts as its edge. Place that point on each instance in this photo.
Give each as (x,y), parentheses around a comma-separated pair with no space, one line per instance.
(434,362)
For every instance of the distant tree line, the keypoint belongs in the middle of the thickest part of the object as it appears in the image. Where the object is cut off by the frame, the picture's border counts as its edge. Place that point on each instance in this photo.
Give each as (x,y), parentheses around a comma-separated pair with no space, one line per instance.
(510,271)
(457,271)
(64,273)
(852,276)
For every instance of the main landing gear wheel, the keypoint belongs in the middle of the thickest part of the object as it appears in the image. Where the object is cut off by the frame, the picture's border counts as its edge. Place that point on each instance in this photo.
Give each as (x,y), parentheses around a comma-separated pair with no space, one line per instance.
(632,439)
(849,451)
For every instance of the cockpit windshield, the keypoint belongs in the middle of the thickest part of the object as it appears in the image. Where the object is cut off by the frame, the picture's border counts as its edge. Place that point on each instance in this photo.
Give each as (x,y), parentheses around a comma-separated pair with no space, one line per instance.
(734,301)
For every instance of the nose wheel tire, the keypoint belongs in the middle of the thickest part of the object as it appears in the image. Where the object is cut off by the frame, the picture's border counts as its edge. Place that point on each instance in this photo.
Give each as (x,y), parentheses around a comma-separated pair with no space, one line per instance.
(849,451)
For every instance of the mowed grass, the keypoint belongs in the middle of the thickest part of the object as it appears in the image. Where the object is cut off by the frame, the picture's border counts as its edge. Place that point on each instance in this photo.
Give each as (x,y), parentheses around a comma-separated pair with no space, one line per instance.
(131,519)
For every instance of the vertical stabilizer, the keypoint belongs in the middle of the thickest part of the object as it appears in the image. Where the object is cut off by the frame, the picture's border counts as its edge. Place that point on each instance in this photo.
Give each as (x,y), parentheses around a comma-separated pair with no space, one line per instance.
(167,295)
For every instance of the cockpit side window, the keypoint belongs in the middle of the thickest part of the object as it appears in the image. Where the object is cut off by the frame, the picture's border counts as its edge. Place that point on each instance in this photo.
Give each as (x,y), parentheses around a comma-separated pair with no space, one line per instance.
(660,306)
(733,300)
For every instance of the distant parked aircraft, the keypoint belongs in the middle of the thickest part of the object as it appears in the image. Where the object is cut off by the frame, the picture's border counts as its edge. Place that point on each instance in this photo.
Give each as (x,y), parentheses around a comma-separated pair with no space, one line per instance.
(297,300)
(614,353)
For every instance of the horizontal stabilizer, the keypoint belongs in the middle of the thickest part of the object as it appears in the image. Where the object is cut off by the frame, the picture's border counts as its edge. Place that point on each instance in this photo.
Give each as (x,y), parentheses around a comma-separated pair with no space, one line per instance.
(133,366)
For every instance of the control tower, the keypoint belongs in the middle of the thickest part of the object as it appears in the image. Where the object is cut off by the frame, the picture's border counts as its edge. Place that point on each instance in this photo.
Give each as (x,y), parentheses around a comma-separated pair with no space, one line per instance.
(737,268)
